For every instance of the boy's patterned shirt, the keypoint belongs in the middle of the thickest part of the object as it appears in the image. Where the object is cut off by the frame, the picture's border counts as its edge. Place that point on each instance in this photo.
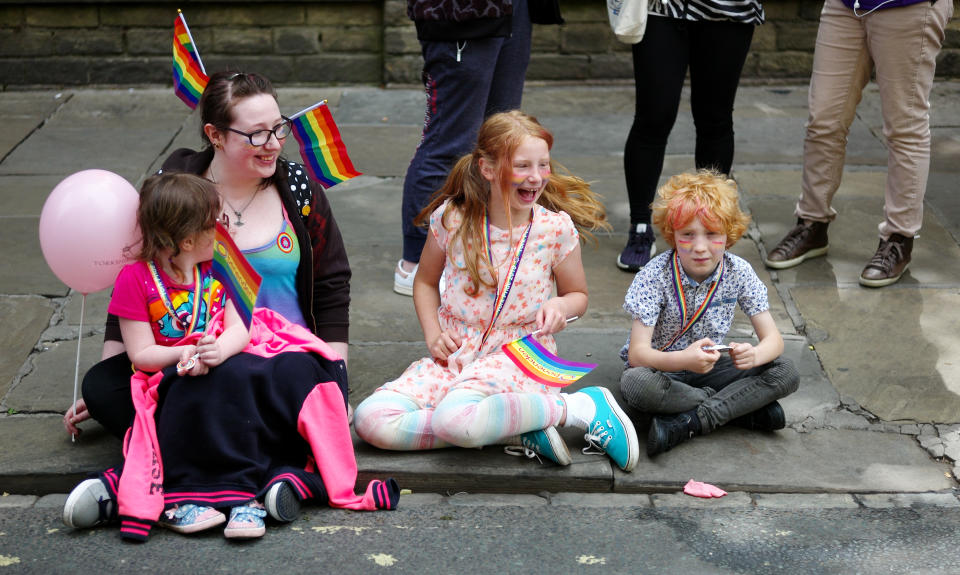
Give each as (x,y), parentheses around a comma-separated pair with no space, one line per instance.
(651,299)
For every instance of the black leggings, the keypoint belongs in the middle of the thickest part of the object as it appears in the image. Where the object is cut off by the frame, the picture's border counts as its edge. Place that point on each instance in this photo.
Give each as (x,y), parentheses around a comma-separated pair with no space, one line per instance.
(715,53)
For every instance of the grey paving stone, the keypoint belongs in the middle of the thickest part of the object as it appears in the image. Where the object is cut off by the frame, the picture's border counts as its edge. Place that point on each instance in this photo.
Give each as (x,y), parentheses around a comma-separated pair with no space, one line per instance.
(490,470)
(887,500)
(421,499)
(38,457)
(52,501)
(8,501)
(820,461)
(731,499)
(49,386)
(618,500)
(25,270)
(495,500)
(805,500)
(24,318)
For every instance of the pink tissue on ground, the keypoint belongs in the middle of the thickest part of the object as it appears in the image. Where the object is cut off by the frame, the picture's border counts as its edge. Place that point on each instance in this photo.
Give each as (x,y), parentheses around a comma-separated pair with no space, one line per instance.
(701,489)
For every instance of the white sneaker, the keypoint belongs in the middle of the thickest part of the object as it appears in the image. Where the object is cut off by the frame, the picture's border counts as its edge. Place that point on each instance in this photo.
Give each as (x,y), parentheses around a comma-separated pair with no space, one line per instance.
(88,505)
(403,281)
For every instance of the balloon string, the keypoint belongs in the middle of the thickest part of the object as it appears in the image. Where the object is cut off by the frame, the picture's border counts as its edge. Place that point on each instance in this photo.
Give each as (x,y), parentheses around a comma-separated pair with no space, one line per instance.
(76,369)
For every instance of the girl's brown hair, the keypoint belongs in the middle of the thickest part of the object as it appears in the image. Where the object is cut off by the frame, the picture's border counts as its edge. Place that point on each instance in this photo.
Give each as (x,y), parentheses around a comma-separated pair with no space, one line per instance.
(174,207)
(469,192)
(223,91)
(710,196)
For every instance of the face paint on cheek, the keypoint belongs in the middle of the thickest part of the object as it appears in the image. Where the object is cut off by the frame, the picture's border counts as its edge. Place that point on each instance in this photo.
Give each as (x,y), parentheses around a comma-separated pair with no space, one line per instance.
(719,243)
(684,245)
(516,180)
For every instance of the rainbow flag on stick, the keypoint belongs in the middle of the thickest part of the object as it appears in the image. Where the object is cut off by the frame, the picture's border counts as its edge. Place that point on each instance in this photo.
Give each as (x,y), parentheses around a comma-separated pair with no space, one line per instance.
(322,150)
(189,75)
(542,366)
(238,277)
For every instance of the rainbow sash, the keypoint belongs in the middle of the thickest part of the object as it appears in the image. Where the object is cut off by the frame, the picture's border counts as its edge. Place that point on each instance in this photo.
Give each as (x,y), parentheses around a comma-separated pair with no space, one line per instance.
(682,302)
(188,323)
(516,256)
(537,363)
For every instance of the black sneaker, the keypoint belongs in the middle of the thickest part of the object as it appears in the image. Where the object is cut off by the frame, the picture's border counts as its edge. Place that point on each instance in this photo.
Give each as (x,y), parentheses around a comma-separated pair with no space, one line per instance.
(770,417)
(668,431)
(281,502)
(639,249)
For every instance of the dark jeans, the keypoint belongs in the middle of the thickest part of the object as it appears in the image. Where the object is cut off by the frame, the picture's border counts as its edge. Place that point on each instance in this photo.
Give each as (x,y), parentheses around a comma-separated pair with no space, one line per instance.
(715,53)
(720,395)
(487,79)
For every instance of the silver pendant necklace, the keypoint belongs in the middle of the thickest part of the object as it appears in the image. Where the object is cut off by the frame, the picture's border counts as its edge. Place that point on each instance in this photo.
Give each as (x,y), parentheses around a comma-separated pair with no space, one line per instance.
(239,213)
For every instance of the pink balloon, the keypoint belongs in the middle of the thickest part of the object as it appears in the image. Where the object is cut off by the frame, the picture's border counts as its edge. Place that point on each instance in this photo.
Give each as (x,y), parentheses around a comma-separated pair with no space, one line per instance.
(86,223)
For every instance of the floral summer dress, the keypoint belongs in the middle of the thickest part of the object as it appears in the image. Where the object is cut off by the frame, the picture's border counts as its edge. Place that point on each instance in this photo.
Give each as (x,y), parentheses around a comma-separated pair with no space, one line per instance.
(552,237)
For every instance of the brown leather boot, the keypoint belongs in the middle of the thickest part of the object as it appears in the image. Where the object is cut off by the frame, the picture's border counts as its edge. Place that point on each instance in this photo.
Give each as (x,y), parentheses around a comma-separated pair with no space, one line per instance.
(808,239)
(889,263)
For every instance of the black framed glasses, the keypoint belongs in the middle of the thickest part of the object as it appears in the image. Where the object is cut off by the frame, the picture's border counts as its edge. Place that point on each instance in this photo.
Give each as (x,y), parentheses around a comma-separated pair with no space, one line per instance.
(260,137)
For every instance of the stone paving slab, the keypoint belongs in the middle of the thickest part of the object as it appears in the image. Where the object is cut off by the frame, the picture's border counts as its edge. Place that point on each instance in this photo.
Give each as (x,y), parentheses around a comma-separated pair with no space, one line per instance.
(38,457)
(486,470)
(24,319)
(22,113)
(49,385)
(25,271)
(821,461)
(790,501)
(23,196)
(913,372)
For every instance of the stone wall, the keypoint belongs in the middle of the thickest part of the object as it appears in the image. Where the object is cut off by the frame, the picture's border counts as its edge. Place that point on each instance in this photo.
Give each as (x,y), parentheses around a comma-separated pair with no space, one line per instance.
(101,42)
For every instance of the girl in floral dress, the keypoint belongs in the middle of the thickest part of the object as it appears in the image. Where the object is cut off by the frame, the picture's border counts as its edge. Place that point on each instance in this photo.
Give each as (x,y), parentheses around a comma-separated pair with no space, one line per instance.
(504,233)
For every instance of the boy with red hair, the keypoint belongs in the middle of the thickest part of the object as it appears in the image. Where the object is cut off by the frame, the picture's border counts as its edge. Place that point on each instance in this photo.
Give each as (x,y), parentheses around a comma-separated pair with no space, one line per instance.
(682,303)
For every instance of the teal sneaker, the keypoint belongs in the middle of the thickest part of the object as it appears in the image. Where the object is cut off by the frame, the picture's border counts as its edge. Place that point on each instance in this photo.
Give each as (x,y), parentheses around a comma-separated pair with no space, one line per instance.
(546,442)
(611,431)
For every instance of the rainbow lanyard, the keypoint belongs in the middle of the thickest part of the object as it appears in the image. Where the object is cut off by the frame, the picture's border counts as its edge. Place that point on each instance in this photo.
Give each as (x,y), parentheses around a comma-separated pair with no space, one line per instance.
(165,297)
(503,293)
(682,302)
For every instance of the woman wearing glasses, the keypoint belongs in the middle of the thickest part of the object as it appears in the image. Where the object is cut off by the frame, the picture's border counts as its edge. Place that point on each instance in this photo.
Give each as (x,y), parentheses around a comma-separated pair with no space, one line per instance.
(279,218)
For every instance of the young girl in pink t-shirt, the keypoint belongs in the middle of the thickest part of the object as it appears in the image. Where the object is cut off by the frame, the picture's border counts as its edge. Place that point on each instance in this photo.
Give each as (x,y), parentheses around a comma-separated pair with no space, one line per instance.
(169,293)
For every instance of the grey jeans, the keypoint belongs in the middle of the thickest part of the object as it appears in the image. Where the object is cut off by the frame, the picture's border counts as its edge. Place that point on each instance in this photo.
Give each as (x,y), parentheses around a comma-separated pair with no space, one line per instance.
(720,395)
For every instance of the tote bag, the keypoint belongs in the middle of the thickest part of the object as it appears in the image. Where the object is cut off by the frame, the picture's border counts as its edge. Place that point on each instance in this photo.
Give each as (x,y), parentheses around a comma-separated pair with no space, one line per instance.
(628,19)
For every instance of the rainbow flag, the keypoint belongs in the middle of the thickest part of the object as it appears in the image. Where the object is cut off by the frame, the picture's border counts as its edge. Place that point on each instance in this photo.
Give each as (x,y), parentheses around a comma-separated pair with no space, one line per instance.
(322,150)
(189,76)
(238,277)
(542,366)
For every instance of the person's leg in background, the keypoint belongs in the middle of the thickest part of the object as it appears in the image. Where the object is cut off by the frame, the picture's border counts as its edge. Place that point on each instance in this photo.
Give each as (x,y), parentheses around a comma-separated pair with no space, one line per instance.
(506,87)
(841,69)
(717,53)
(457,77)
(662,54)
(904,43)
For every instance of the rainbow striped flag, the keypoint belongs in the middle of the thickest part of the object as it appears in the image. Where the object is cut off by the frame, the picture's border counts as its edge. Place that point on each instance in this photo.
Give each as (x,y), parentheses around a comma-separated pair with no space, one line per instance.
(238,277)
(189,76)
(322,150)
(540,365)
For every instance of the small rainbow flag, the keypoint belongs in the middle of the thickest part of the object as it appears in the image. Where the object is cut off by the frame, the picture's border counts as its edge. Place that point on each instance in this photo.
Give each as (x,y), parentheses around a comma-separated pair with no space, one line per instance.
(542,366)
(238,277)
(322,150)
(189,76)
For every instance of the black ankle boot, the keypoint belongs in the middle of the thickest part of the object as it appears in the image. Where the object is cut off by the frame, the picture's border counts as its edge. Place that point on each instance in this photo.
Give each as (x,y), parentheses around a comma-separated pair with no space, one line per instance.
(668,431)
(770,417)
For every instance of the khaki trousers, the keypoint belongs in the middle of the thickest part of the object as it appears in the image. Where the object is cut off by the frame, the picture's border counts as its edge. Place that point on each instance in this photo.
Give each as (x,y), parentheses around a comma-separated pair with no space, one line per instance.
(902,44)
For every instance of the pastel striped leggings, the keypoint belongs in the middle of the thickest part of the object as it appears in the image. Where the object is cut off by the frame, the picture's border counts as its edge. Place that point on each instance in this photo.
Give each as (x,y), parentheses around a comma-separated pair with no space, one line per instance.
(464,418)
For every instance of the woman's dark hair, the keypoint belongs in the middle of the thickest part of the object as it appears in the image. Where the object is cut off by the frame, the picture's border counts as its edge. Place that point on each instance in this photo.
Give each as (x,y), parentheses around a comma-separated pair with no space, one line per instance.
(174,207)
(223,91)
